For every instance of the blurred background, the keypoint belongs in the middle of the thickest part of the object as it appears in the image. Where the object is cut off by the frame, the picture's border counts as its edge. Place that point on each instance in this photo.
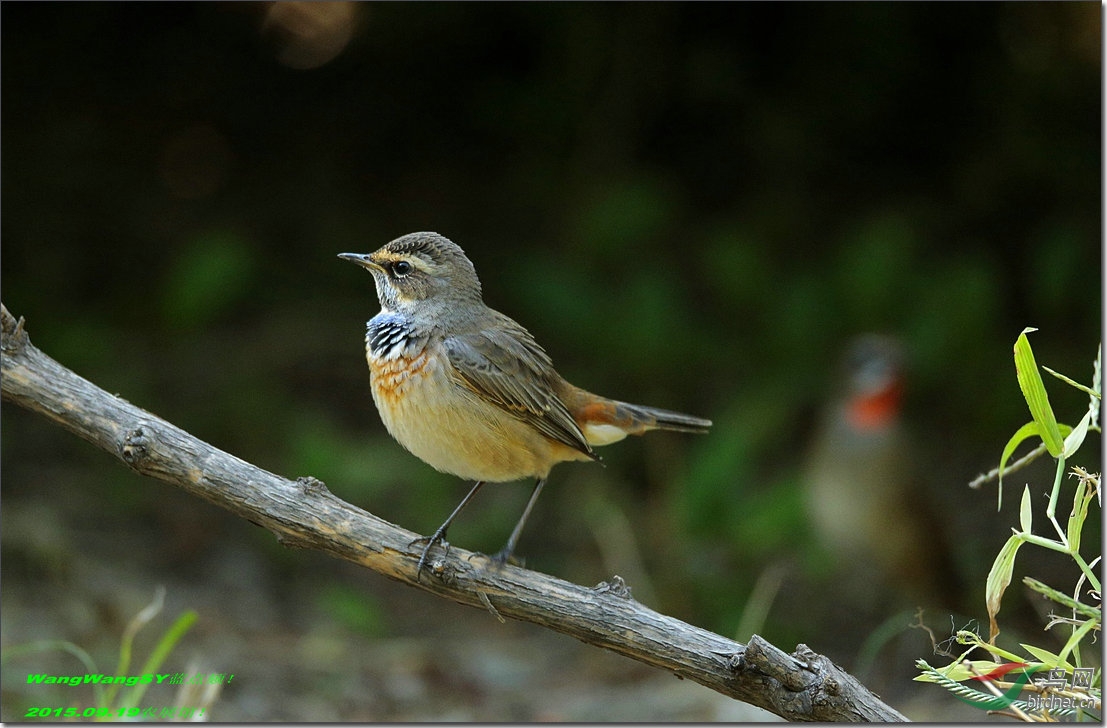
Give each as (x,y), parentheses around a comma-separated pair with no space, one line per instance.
(712,208)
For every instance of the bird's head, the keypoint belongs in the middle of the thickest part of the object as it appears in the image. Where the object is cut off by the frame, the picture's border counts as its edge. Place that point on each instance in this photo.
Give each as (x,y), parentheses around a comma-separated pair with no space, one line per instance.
(420,273)
(874,372)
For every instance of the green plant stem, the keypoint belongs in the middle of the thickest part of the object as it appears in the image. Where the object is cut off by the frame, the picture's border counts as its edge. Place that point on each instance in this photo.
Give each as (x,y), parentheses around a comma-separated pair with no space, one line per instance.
(1064,549)
(1061,598)
(966,637)
(165,645)
(1073,644)
(137,622)
(1087,572)
(43,645)
(1051,510)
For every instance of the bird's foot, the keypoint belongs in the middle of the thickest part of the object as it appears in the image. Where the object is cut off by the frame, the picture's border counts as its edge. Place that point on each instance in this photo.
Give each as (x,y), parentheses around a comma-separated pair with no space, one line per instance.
(439,537)
(501,557)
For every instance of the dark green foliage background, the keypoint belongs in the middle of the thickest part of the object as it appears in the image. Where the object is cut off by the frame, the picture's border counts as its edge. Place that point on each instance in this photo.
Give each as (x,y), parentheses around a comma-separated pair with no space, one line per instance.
(693,206)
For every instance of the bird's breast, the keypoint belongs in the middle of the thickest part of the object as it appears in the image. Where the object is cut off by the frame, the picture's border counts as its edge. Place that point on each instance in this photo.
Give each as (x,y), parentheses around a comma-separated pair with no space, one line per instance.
(440,421)
(397,378)
(389,337)
(402,369)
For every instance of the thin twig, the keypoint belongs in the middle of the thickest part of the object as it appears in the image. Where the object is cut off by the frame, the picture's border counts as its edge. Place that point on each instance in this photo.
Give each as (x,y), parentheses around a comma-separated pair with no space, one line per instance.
(1019,464)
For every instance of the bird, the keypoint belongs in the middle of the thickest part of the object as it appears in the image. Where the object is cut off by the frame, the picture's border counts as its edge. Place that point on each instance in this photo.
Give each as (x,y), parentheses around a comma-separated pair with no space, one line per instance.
(469,391)
(865,499)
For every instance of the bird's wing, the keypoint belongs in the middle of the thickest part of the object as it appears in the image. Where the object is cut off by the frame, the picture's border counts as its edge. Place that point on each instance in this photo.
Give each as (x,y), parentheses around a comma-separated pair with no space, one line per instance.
(505,366)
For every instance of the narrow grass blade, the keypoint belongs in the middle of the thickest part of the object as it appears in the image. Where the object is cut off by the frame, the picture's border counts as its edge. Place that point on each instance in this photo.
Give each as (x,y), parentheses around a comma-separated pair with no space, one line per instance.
(1033,390)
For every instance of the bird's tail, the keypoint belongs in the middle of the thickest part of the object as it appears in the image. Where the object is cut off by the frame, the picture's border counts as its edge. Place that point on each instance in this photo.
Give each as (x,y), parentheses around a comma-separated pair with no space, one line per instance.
(642,419)
(604,421)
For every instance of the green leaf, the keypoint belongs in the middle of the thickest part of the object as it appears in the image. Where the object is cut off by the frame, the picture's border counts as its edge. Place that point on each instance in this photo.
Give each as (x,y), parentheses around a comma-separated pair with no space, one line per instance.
(1075,438)
(161,651)
(1047,657)
(1033,390)
(961,670)
(992,700)
(1078,385)
(1026,514)
(1030,429)
(1074,641)
(1063,599)
(1080,502)
(999,578)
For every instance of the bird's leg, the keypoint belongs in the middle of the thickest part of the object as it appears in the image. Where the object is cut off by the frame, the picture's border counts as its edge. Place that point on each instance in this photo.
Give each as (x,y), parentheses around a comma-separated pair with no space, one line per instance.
(440,535)
(505,553)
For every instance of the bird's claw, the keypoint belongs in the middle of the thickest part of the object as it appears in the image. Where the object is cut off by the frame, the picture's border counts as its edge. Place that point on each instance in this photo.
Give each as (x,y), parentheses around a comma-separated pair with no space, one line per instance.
(439,537)
(501,557)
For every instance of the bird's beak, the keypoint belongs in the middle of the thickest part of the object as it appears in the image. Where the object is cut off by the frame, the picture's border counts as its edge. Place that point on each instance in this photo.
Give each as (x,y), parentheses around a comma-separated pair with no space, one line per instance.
(365,260)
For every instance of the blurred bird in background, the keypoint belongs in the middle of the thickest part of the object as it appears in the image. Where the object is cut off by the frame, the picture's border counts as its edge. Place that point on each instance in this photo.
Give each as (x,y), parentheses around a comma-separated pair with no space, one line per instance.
(863,497)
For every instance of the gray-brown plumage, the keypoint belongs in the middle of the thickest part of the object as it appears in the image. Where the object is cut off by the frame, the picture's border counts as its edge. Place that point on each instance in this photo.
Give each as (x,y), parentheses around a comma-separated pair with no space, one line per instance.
(467,389)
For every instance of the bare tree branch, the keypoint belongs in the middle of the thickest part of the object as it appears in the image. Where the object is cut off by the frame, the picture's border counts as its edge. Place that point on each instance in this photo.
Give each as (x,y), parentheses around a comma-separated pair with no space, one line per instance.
(304,514)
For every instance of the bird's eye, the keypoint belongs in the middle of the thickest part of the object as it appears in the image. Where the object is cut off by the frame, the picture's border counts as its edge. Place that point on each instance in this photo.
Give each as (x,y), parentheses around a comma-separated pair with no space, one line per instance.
(401,268)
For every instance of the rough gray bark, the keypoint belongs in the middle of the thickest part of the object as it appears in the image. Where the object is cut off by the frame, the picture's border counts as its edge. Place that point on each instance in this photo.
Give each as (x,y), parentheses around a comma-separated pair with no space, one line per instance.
(303,513)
